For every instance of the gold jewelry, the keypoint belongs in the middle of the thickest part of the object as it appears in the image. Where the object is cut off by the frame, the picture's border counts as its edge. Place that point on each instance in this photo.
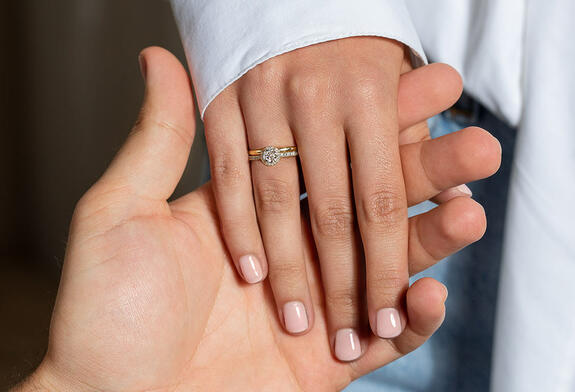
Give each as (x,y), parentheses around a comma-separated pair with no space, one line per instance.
(271,155)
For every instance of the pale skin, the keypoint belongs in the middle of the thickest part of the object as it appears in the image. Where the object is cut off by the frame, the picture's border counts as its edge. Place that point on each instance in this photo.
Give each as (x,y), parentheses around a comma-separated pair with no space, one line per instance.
(149,299)
(333,99)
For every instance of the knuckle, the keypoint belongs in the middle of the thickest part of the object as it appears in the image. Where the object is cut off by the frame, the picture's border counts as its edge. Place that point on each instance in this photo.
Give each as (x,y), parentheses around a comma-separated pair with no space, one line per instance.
(367,89)
(226,171)
(289,273)
(237,223)
(383,207)
(307,89)
(345,301)
(335,219)
(180,132)
(274,195)
(388,280)
(148,121)
(266,74)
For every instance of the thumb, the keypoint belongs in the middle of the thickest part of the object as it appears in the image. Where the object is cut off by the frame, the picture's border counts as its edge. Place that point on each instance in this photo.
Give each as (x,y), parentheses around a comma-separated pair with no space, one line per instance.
(154,156)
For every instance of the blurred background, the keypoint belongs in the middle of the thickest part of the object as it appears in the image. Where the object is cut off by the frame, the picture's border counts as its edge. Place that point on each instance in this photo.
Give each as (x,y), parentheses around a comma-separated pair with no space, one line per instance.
(70,90)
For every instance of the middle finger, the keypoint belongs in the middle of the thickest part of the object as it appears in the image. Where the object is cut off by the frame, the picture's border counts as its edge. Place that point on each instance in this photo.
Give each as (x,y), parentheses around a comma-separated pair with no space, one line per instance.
(326,171)
(381,210)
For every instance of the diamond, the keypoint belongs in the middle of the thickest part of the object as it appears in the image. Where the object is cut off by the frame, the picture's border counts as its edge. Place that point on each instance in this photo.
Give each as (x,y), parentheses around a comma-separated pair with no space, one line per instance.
(270,156)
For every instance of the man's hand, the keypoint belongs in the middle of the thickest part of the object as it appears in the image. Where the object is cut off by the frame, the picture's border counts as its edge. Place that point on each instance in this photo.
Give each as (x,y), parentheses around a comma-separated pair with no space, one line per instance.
(149,299)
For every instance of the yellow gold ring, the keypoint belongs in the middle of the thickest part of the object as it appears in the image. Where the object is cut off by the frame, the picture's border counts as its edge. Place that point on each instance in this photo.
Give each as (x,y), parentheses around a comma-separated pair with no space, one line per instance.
(271,155)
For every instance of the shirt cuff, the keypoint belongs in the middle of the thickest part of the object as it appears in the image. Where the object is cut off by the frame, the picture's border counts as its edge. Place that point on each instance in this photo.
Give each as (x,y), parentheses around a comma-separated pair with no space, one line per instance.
(223,39)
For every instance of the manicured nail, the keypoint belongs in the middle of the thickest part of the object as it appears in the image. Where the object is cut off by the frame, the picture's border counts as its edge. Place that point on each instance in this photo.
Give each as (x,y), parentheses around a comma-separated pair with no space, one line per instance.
(465,190)
(295,317)
(458,191)
(388,323)
(251,269)
(347,346)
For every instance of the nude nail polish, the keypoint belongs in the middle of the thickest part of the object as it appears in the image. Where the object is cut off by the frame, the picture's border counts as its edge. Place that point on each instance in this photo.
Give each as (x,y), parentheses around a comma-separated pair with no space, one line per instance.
(458,191)
(251,269)
(465,190)
(347,346)
(388,323)
(295,317)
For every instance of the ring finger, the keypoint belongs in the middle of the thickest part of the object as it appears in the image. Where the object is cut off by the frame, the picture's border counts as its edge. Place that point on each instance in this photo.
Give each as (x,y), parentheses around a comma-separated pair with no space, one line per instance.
(276,191)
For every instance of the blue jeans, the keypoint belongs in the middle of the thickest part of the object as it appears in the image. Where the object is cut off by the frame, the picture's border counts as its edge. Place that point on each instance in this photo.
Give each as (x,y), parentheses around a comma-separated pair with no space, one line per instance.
(458,356)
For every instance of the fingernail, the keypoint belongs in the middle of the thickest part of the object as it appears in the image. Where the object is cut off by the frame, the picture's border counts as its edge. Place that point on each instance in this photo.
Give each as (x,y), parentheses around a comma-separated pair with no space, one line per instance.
(464,189)
(295,317)
(143,66)
(251,269)
(347,346)
(388,323)
(446,293)
(458,191)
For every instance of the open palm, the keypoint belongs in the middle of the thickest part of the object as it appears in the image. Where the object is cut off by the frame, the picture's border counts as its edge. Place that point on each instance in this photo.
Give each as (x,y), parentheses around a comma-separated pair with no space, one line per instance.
(149,299)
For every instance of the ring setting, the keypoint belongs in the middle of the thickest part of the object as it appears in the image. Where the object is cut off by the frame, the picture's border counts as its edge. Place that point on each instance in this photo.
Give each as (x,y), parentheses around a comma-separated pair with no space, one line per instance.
(270,155)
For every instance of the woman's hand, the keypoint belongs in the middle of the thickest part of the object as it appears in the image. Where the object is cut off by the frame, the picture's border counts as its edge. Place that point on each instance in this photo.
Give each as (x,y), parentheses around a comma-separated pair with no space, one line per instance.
(149,300)
(337,101)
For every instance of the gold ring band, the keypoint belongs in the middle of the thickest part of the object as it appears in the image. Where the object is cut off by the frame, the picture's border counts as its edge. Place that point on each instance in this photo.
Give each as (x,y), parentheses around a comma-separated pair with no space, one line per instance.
(271,155)
(259,151)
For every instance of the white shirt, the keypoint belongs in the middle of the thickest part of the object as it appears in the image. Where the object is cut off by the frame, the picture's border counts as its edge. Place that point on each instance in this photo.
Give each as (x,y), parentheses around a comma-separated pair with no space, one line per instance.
(224,39)
(516,58)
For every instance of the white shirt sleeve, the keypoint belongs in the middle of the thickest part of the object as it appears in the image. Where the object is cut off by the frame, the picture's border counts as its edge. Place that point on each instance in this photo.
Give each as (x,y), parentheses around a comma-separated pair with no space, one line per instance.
(223,39)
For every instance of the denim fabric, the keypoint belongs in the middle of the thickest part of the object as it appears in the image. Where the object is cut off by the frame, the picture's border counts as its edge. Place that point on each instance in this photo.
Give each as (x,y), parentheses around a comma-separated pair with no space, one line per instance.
(458,356)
